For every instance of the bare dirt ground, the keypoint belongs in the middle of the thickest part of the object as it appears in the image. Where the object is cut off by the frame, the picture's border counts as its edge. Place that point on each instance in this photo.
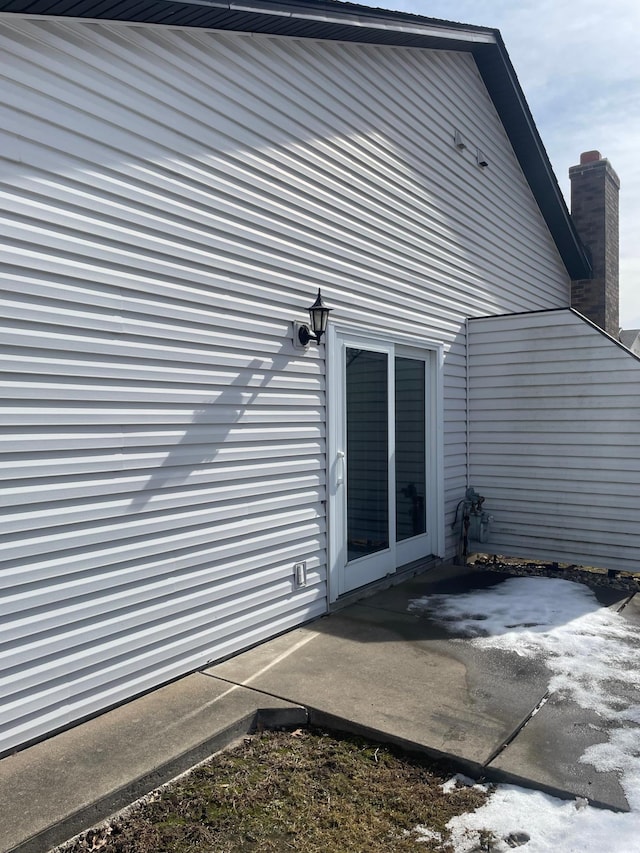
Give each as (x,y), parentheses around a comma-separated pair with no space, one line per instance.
(624,581)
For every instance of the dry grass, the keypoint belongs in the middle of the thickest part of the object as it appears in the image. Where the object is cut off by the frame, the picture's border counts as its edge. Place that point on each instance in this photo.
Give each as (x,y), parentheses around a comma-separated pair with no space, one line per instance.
(304,791)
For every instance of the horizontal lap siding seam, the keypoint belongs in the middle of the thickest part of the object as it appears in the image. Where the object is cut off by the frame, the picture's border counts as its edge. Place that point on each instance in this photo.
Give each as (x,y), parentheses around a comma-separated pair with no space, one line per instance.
(168,222)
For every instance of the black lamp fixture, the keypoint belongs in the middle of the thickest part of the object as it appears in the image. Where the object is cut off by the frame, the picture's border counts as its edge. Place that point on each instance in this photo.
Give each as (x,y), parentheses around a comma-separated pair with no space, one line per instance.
(318,317)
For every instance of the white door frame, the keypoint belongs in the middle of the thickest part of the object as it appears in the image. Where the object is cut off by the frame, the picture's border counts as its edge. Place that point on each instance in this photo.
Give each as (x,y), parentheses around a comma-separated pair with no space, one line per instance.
(336,468)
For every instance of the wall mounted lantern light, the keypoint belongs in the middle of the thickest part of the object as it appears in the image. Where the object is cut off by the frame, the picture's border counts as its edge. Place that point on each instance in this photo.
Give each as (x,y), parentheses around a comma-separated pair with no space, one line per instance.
(318,317)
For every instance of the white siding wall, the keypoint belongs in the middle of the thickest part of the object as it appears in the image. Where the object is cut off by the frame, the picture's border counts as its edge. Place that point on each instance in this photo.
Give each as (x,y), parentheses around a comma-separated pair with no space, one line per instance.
(170,200)
(555,438)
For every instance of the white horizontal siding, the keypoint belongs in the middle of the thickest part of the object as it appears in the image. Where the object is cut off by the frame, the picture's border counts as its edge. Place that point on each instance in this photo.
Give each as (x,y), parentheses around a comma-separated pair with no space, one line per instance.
(170,200)
(555,438)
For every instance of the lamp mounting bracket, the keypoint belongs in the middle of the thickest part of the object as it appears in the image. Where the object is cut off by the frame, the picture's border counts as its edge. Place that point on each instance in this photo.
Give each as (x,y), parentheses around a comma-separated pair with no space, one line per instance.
(302,336)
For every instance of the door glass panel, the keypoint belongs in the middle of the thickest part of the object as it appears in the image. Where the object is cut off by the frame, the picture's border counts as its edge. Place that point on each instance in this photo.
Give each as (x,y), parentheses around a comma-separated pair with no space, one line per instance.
(410,448)
(367,452)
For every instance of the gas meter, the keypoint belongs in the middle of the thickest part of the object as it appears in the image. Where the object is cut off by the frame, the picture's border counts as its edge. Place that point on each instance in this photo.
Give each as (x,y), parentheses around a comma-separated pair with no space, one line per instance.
(472,521)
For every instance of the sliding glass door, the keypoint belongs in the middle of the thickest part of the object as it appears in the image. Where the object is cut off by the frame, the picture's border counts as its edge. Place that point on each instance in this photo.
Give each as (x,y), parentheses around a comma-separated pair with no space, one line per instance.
(381,468)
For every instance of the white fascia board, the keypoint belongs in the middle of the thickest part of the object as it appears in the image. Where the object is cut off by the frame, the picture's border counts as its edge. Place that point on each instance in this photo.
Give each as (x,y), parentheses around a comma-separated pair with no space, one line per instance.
(480,37)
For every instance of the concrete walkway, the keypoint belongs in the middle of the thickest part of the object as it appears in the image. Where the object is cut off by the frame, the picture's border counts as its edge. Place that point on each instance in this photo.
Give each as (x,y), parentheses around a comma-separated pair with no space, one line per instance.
(372,668)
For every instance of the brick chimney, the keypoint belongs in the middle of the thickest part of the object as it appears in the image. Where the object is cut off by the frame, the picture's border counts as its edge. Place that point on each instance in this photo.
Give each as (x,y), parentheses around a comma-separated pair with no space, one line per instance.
(594,210)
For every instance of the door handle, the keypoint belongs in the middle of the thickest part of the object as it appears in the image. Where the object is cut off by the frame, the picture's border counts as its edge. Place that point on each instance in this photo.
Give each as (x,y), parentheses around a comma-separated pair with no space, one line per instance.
(340,468)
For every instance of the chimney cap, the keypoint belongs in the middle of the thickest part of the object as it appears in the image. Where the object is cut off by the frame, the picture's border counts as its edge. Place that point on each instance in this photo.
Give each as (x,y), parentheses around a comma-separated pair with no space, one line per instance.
(590,157)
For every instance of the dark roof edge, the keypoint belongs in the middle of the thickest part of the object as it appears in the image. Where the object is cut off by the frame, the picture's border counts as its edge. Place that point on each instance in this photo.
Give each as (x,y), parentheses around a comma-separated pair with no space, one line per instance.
(234,15)
(353,12)
(333,20)
(568,310)
(504,87)
(519,313)
(597,328)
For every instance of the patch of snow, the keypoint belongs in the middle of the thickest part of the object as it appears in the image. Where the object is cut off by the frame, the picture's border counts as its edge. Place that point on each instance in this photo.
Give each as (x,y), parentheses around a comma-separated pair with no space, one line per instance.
(458,780)
(553,825)
(592,656)
(424,834)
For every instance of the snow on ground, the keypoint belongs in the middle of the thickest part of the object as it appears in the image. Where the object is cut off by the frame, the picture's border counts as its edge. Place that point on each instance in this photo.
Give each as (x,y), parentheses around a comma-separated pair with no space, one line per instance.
(592,657)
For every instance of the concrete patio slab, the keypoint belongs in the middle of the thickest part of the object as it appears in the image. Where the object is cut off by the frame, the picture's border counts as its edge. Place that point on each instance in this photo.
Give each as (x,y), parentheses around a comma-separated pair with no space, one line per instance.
(378,667)
(451,580)
(373,667)
(389,670)
(548,752)
(631,610)
(60,786)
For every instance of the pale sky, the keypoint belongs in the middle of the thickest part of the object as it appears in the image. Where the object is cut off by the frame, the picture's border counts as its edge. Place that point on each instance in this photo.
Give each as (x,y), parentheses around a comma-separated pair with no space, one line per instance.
(577,62)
